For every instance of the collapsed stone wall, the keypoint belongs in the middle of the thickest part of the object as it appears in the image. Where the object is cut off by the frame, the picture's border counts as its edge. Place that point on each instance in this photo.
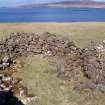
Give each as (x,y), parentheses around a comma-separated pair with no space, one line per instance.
(94,63)
(23,44)
(18,44)
(69,56)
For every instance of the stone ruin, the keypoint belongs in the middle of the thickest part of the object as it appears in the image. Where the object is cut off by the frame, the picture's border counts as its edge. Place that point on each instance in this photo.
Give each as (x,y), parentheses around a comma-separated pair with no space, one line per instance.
(69,58)
(23,44)
(94,60)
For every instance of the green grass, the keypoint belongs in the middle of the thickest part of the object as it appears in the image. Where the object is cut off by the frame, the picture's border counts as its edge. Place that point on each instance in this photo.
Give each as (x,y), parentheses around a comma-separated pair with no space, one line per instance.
(41,79)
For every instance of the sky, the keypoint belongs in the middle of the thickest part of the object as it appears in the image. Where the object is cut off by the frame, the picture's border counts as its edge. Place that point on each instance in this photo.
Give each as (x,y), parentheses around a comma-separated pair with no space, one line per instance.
(7,3)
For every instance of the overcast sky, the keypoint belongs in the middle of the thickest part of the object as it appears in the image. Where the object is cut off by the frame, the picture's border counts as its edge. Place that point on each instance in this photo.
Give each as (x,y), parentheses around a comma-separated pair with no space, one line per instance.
(18,2)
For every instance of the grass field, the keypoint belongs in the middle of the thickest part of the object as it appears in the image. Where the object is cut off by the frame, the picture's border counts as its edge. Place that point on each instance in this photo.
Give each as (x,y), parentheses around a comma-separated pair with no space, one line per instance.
(40,77)
(81,33)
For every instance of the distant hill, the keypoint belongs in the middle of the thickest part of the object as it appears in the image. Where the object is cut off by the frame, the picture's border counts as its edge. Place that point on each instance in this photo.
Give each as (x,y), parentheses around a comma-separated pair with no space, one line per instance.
(69,3)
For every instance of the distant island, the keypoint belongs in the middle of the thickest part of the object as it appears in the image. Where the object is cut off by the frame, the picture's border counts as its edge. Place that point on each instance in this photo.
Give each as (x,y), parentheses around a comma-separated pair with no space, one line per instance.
(67,4)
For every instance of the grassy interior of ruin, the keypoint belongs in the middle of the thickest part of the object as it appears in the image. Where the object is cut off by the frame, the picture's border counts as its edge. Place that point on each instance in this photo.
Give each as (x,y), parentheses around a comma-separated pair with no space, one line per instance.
(41,77)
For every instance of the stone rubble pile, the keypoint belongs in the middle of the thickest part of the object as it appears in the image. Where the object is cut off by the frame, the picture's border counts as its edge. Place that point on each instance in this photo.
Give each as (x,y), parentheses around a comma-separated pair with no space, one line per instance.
(23,43)
(6,83)
(94,63)
(5,62)
(69,65)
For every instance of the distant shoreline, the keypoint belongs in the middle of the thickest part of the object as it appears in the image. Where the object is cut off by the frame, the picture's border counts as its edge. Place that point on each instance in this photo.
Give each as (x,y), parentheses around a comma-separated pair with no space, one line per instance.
(68,4)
